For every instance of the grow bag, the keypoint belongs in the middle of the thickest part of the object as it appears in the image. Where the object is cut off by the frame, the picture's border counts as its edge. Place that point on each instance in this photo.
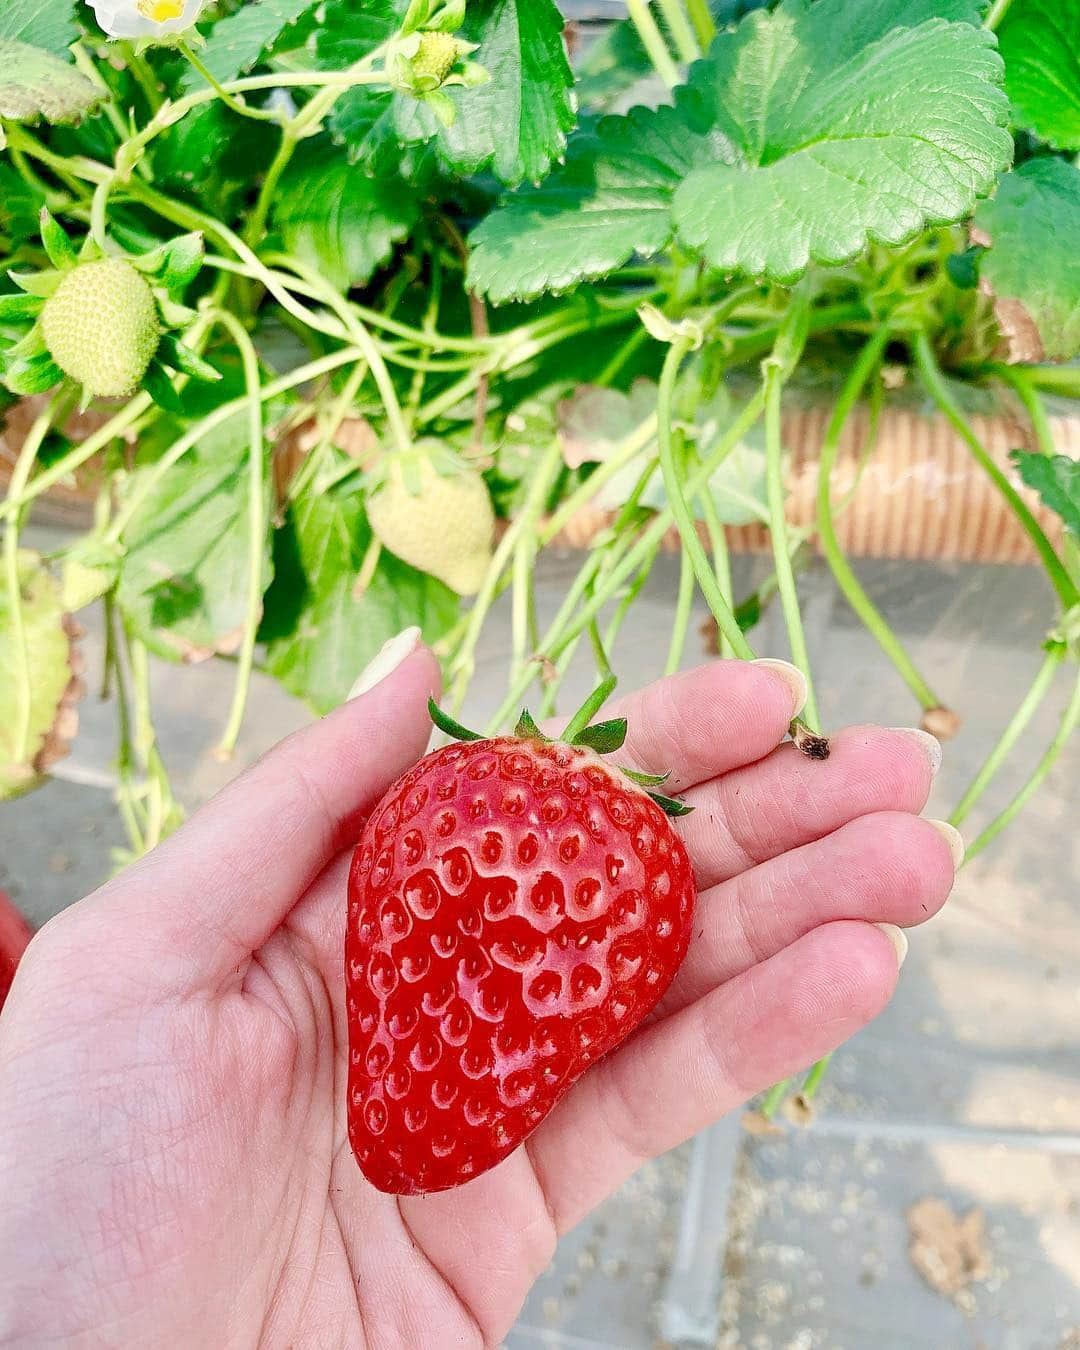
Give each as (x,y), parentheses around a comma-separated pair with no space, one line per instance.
(920,496)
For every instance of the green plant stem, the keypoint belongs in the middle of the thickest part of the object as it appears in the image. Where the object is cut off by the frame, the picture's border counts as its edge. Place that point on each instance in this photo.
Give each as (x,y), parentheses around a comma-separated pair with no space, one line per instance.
(817,1072)
(998,10)
(785,573)
(124,753)
(256,226)
(682,33)
(775,1096)
(1067,725)
(683,607)
(702,19)
(344,401)
(256,530)
(462,665)
(214,419)
(680,510)
(237,105)
(641,16)
(935,386)
(24,463)
(627,450)
(846,580)
(721,559)
(144,75)
(1044,678)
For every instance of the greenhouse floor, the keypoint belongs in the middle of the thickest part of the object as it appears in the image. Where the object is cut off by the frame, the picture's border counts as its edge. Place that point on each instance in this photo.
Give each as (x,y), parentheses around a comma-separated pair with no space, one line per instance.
(964,1096)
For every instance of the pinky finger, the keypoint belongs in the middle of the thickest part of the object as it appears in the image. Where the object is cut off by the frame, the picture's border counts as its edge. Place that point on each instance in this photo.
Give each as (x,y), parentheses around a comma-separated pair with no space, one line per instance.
(681,1074)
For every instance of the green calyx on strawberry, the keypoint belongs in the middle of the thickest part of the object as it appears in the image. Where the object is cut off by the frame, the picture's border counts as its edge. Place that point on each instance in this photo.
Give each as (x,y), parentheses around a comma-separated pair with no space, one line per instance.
(433,510)
(516,907)
(100,321)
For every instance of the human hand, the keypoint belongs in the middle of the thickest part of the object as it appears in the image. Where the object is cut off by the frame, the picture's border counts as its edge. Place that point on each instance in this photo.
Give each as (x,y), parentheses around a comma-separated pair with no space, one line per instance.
(173,1151)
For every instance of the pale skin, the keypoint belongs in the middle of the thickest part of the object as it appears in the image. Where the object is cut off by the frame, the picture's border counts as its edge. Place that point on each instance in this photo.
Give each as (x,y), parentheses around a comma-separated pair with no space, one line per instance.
(174,1163)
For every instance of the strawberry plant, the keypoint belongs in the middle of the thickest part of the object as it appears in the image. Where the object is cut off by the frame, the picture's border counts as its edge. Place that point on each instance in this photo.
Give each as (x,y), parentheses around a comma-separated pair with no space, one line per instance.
(352,309)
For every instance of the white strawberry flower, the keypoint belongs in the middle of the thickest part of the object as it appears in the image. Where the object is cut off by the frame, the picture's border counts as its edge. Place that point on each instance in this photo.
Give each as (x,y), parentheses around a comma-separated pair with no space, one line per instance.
(145,18)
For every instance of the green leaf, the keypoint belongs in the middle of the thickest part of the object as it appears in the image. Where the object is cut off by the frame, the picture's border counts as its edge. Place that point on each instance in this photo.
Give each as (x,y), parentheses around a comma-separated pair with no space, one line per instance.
(1040,41)
(670,806)
(514,124)
(45,25)
(34,83)
(319,634)
(52,689)
(20,204)
(1056,478)
(610,200)
(837,128)
(338,219)
(183,579)
(1033,263)
(603,737)
(173,353)
(236,42)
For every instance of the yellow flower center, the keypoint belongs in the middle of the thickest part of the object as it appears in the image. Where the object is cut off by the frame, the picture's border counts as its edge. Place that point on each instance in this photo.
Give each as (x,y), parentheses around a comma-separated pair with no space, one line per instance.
(161,11)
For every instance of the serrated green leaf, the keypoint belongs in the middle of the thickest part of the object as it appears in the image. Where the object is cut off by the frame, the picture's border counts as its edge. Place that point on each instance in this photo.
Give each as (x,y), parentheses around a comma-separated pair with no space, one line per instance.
(610,200)
(340,220)
(48,26)
(1056,478)
(603,737)
(839,128)
(35,84)
(183,579)
(1033,263)
(1040,42)
(318,633)
(48,656)
(236,42)
(514,124)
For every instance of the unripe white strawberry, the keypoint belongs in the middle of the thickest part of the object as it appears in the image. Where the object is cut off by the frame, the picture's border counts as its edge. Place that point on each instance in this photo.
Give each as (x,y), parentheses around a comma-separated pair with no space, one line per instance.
(433,511)
(101,326)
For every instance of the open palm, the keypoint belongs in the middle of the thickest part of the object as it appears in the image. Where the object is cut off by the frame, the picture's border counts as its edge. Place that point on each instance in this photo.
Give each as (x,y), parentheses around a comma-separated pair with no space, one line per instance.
(173,1152)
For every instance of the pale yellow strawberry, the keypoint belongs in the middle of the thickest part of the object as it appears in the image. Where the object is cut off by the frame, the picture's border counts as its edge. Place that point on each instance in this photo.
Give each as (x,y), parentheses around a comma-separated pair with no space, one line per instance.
(433,511)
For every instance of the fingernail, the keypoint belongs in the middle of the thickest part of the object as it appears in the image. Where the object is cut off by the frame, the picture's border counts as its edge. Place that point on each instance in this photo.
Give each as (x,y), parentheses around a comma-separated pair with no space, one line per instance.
(931,746)
(952,837)
(389,656)
(792,677)
(898,938)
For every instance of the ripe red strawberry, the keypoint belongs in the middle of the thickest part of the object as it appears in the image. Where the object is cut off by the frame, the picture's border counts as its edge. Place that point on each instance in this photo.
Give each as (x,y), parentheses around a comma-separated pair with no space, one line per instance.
(516,907)
(14,936)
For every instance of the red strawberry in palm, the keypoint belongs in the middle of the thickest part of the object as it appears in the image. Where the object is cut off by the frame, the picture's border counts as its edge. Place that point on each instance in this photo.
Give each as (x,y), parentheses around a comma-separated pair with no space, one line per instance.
(516,907)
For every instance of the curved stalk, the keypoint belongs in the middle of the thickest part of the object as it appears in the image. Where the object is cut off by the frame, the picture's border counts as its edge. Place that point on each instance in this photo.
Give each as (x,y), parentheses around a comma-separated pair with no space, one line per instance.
(256,531)
(785,573)
(936,388)
(683,606)
(222,413)
(871,617)
(1067,725)
(23,465)
(1012,733)
(677,499)
(652,40)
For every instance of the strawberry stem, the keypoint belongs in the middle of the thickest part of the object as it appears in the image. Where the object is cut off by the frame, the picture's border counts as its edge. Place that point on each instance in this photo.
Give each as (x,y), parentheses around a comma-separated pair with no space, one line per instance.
(588,709)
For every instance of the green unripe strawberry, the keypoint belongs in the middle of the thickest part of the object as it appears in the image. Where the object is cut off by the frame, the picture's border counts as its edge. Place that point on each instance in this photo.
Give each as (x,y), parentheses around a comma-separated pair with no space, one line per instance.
(427,506)
(435,57)
(101,326)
